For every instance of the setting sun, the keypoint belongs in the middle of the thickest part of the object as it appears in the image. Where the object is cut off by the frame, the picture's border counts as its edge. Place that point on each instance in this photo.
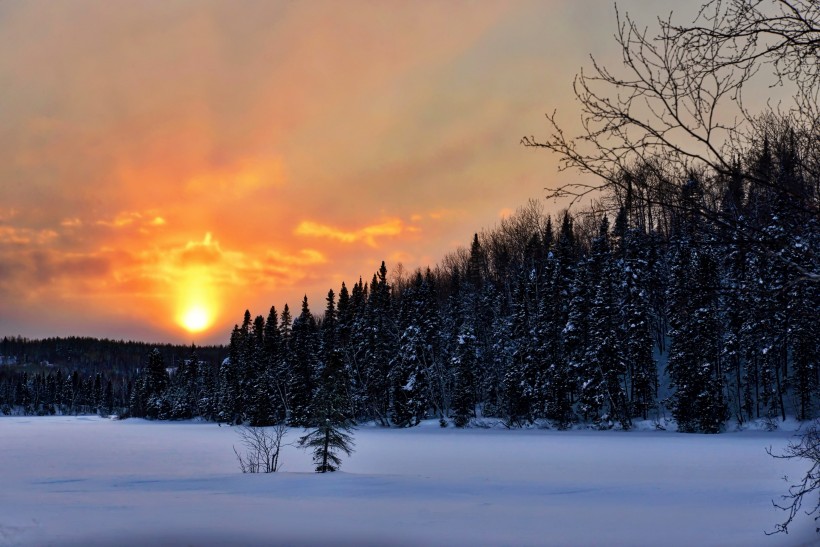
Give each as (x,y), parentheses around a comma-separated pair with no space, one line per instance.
(197,300)
(196,319)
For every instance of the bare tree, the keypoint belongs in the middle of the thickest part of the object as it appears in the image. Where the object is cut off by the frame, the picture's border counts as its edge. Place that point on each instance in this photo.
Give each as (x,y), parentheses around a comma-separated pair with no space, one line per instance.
(782,33)
(263,446)
(677,106)
(808,448)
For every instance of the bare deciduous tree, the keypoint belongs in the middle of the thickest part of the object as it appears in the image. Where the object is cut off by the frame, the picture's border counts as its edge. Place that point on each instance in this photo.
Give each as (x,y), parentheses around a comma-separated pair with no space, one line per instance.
(677,106)
(263,446)
(807,448)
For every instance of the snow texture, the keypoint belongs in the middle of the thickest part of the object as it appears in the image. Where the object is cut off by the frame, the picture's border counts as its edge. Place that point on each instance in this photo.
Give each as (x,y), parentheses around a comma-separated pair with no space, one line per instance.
(91,481)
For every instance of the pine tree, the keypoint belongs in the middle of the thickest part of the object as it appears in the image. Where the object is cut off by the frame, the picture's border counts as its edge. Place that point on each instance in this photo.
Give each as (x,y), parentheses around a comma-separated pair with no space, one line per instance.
(410,369)
(356,350)
(557,381)
(520,379)
(636,341)
(331,433)
(155,381)
(465,363)
(304,367)
(698,402)
(602,366)
(228,398)
(284,366)
(380,346)
(273,350)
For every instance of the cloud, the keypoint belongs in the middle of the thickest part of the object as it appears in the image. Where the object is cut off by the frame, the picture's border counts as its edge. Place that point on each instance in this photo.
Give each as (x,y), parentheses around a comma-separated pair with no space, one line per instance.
(305,257)
(446,214)
(368,234)
(73,222)
(195,253)
(123,219)
(25,236)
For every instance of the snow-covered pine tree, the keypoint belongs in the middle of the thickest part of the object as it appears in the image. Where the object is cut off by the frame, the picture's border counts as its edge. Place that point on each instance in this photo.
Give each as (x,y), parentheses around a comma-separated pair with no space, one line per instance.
(698,402)
(267,408)
(355,352)
(304,367)
(409,371)
(330,435)
(464,362)
(154,382)
(521,376)
(555,381)
(228,399)
(283,365)
(273,350)
(575,334)
(632,289)
(380,344)
(603,395)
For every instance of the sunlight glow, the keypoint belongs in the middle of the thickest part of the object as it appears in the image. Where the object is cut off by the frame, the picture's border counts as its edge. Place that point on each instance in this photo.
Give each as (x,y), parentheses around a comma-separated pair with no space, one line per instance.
(196,319)
(197,301)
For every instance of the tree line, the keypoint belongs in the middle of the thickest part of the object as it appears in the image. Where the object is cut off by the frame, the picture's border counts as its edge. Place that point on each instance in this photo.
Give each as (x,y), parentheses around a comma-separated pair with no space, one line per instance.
(624,311)
(79,375)
(628,310)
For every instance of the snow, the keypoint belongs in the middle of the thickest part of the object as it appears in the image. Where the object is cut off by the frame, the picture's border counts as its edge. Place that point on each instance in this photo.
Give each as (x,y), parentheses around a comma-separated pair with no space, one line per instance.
(93,481)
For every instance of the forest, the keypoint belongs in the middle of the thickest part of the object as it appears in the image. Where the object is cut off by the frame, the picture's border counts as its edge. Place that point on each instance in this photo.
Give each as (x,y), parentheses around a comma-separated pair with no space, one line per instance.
(626,310)
(76,375)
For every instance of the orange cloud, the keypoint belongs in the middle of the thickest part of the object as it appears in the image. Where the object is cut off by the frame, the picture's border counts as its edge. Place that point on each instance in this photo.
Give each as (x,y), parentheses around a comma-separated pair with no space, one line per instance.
(305,257)
(71,222)
(368,234)
(122,220)
(25,236)
(445,214)
(196,253)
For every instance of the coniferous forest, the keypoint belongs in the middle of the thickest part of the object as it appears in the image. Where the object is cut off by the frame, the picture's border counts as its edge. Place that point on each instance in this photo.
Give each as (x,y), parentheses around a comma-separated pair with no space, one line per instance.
(624,311)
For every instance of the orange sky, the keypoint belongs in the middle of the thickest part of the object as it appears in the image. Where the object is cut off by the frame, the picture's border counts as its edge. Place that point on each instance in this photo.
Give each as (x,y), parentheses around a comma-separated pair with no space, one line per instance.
(162,159)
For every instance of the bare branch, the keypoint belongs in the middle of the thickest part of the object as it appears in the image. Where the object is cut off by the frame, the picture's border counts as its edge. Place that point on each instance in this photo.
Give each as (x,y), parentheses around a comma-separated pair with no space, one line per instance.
(262,448)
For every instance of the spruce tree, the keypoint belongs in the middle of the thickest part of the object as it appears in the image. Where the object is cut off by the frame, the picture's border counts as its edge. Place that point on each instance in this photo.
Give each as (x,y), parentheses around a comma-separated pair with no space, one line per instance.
(410,369)
(698,402)
(155,381)
(304,367)
(465,363)
(330,435)
(602,365)
(228,397)
(380,346)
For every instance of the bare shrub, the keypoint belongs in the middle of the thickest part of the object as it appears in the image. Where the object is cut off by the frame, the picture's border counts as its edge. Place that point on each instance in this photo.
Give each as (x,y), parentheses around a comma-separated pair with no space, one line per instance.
(263,446)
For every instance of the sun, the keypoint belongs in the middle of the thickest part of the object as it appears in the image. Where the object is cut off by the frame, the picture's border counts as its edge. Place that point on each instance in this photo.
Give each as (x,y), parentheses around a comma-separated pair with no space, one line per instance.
(197,301)
(196,318)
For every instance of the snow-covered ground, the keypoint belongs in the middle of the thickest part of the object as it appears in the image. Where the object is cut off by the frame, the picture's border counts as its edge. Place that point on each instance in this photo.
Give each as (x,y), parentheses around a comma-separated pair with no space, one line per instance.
(91,481)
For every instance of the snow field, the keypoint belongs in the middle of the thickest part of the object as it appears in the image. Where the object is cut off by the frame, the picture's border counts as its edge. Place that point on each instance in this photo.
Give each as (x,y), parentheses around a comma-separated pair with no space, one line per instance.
(92,481)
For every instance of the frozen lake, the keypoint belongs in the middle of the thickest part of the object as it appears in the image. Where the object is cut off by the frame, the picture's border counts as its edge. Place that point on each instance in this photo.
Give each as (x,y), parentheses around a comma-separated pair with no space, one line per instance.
(92,481)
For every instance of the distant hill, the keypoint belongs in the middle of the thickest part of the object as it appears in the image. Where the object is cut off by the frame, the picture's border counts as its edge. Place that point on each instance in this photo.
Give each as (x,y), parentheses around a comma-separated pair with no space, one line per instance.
(91,355)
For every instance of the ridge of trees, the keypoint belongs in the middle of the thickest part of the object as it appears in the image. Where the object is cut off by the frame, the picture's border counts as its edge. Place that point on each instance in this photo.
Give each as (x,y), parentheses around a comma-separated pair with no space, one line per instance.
(588,318)
(80,375)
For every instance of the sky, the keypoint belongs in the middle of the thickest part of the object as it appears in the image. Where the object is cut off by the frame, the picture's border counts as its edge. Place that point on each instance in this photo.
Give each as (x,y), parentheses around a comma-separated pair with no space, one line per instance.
(165,165)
